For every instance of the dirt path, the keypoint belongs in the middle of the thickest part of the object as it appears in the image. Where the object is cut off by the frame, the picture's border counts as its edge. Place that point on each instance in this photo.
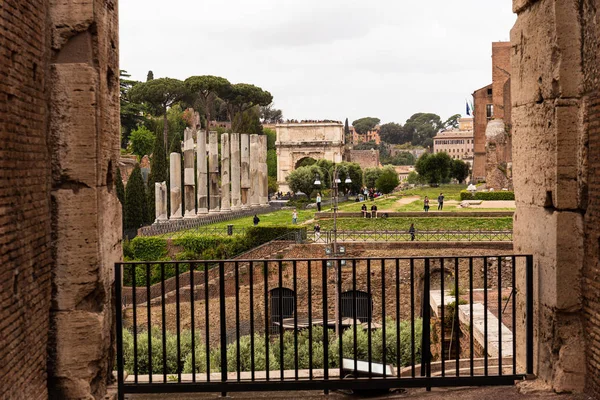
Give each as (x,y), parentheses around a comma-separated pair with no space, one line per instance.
(407,200)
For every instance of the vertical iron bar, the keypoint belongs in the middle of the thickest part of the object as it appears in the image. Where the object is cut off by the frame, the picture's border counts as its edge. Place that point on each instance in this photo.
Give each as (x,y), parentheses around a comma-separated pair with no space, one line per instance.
(206,320)
(222,321)
(325,323)
(426,348)
(267,327)
(178,321)
(442,316)
(471,343)
(412,316)
(339,308)
(514,317)
(134,299)
(280,301)
(295,320)
(370,315)
(529,312)
(149,323)
(310,322)
(456,321)
(383,338)
(193,316)
(251,280)
(354,316)
(499,315)
(164,321)
(485,317)
(119,315)
(398,358)
(237,322)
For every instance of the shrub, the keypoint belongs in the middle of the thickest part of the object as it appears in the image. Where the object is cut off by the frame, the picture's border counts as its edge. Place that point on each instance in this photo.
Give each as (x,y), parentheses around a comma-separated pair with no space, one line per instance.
(147,248)
(257,235)
(500,195)
(304,349)
(135,200)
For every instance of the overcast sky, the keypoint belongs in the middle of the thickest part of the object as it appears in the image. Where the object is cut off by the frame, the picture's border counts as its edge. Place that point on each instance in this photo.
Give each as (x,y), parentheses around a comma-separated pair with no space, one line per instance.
(324,59)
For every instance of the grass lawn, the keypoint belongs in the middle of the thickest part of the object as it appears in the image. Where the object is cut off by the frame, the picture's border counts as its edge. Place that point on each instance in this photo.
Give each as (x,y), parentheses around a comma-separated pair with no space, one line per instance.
(451,192)
(433,223)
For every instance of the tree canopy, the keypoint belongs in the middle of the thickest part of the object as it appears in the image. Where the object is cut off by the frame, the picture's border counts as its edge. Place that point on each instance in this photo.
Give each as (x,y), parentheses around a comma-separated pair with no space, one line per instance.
(270,115)
(422,127)
(388,180)
(203,90)
(142,141)
(135,200)
(394,133)
(364,125)
(241,97)
(130,110)
(460,170)
(434,168)
(303,180)
(452,122)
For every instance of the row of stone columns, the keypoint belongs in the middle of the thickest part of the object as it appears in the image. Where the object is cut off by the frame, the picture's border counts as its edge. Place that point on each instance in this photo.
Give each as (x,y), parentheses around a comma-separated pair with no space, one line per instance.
(243,175)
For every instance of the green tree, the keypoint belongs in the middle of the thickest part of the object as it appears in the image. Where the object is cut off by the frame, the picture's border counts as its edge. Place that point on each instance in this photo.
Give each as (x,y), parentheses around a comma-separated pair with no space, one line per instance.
(388,180)
(364,125)
(403,158)
(326,170)
(130,110)
(135,200)
(370,176)
(250,122)
(460,170)
(434,168)
(142,141)
(119,186)
(204,89)
(272,183)
(394,133)
(272,163)
(241,97)
(150,76)
(347,132)
(413,178)
(422,127)
(271,138)
(270,115)
(353,170)
(366,145)
(303,180)
(452,122)
(159,94)
(158,173)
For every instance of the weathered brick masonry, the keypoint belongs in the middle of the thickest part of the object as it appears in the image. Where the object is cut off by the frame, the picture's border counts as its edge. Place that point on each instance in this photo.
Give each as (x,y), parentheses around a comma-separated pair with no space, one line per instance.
(25,253)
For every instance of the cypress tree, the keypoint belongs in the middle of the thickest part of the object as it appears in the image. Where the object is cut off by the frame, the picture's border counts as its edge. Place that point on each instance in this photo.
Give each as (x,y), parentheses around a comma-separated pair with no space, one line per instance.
(135,200)
(119,187)
(158,173)
(150,76)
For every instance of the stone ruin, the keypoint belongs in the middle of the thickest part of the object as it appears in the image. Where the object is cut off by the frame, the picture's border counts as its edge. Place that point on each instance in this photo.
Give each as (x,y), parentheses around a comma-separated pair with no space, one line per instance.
(242,170)
(498,172)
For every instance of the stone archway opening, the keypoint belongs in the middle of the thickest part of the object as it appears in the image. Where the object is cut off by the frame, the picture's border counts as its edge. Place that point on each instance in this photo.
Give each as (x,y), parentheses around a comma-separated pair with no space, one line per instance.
(305,162)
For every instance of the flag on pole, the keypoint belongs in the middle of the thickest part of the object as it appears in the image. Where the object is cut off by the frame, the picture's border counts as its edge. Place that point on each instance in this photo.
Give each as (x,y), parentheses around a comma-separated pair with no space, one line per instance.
(468,109)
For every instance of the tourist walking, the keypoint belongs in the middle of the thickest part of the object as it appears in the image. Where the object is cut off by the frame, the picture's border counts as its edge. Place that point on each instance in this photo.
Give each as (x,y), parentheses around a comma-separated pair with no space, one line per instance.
(256,220)
(319,202)
(412,231)
(317,232)
(426,204)
(295,217)
(441,201)
(364,210)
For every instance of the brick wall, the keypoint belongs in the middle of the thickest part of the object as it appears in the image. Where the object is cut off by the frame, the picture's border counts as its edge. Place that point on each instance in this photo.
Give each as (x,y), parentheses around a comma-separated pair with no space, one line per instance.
(366,158)
(25,255)
(480,100)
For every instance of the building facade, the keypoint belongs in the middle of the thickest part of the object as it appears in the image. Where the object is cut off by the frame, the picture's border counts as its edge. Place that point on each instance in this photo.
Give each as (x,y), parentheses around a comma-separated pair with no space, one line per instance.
(457,143)
(370,136)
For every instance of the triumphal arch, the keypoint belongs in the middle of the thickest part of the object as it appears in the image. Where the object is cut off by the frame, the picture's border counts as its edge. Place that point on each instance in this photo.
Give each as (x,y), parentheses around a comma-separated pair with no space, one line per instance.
(297,141)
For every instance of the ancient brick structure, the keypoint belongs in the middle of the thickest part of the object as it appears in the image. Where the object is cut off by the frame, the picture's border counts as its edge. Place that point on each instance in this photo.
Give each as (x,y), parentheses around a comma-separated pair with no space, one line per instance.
(60,219)
(481,99)
(556,152)
(365,158)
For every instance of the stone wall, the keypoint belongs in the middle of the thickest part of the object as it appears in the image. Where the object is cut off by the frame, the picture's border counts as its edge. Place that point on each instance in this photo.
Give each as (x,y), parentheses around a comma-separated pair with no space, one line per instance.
(554,89)
(25,224)
(365,158)
(481,98)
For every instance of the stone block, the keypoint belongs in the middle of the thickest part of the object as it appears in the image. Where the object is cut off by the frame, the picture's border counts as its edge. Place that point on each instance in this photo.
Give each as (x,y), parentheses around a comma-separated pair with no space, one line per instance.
(68,18)
(569,260)
(569,129)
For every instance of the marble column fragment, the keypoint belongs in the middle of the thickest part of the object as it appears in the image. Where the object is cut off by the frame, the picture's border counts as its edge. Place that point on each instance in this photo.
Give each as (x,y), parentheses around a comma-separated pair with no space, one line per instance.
(254,191)
(245,169)
(213,172)
(188,173)
(202,172)
(160,192)
(235,172)
(175,178)
(225,177)
(264,173)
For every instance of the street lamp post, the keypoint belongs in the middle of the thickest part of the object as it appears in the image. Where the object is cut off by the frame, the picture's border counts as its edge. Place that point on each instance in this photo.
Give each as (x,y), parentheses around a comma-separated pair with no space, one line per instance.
(335,180)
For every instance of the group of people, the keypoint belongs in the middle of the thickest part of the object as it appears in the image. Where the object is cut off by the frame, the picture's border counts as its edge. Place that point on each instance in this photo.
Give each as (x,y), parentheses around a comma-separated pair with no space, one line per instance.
(373,211)
(440,200)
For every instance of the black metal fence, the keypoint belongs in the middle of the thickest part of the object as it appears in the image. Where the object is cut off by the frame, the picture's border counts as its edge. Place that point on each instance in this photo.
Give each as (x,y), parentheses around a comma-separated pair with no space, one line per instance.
(361,324)
(419,236)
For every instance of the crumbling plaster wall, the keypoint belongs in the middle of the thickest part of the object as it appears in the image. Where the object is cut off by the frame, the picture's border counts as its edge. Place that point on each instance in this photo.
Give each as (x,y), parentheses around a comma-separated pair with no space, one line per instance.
(84,135)
(554,85)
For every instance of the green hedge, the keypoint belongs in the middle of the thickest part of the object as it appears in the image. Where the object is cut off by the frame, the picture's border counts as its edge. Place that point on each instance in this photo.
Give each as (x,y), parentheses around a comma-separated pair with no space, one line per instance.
(260,355)
(258,235)
(500,195)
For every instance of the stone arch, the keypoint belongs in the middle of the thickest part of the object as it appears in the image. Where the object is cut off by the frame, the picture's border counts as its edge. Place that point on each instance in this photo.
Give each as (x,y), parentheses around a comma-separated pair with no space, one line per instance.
(282,305)
(304,161)
(358,300)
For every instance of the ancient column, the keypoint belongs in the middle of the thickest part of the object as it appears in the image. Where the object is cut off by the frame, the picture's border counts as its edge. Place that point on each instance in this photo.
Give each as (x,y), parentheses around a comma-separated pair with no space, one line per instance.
(225,192)
(245,169)
(213,171)
(264,173)
(175,175)
(202,183)
(160,191)
(254,191)
(188,173)
(235,172)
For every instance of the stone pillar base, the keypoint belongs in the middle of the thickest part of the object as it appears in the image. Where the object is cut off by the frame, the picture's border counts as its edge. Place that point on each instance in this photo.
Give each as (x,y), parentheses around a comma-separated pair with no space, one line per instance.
(202,211)
(160,221)
(173,218)
(214,211)
(225,210)
(189,215)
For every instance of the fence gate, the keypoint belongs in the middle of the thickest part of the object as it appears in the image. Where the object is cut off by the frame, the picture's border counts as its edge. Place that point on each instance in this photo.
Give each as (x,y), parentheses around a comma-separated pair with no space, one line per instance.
(368,323)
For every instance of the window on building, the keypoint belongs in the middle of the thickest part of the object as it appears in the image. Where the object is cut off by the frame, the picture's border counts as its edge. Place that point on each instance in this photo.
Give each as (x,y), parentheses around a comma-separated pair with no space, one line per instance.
(489,110)
(489,91)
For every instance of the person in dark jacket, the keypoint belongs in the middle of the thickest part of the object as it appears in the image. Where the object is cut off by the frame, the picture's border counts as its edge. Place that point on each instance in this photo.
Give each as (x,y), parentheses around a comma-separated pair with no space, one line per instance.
(441,201)
(256,220)
(412,231)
